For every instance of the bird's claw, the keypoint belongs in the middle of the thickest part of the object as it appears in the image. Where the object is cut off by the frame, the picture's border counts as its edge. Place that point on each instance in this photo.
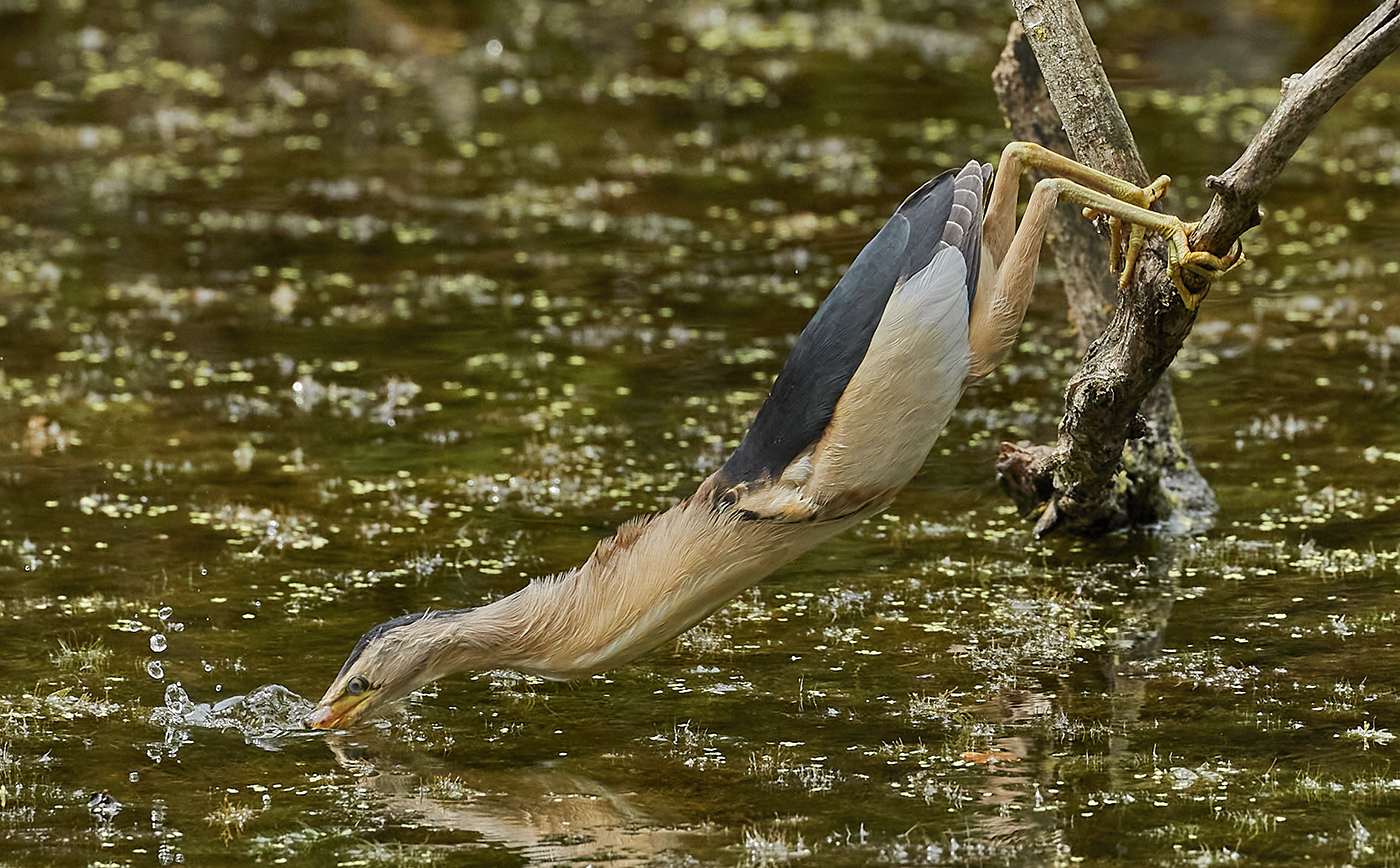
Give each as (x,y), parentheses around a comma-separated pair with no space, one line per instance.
(1123,261)
(1103,195)
(1208,266)
(1180,256)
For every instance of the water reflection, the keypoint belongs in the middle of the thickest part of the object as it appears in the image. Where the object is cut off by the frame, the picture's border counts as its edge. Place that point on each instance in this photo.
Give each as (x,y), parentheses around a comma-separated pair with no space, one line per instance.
(543,815)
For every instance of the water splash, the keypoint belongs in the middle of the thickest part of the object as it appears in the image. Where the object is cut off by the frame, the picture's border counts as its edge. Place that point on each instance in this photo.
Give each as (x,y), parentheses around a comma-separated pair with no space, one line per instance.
(265,716)
(177,701)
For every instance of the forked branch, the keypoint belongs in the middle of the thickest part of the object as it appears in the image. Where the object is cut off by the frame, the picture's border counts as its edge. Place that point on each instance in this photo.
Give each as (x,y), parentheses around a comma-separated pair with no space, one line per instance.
(1083,472)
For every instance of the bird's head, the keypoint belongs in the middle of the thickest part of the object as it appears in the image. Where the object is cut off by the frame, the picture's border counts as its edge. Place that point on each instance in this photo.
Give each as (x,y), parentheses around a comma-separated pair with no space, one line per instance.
(390,661)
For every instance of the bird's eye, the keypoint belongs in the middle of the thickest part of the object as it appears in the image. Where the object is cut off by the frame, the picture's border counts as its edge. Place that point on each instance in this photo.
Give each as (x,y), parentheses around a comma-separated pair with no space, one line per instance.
(357,685)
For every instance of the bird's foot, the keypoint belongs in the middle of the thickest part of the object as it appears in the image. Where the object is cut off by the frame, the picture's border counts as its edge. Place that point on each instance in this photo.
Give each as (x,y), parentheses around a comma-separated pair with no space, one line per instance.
(1127,206)
(1141,222)
(1123,260)
(1208,266)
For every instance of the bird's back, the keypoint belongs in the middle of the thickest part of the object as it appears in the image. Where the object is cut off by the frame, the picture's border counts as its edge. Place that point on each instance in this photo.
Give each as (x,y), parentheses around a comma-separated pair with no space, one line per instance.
(868,388)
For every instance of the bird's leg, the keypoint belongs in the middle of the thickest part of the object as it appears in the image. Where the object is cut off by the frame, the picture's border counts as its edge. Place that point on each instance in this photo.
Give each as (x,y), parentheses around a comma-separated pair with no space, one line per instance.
(1103,194)
(1180,256)
(1009,260)
(1012,251)
(1018,156)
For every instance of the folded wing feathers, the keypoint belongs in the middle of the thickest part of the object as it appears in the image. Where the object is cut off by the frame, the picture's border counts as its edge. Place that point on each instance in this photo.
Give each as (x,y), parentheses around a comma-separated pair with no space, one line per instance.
(964,227)
(944,213)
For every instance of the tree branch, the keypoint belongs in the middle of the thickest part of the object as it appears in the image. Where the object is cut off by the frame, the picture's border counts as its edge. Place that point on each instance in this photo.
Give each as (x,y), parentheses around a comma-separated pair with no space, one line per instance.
(1091,492)
(1306,99)
(1121,369)
(1079,88)
(1159,481)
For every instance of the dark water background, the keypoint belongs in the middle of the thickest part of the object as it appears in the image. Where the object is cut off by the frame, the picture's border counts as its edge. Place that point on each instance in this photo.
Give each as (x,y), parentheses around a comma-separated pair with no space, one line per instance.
(314,313)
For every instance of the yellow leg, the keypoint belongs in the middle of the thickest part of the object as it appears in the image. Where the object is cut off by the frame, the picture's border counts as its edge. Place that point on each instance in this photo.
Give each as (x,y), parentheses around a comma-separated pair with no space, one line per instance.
(1103,194)
(1180,256)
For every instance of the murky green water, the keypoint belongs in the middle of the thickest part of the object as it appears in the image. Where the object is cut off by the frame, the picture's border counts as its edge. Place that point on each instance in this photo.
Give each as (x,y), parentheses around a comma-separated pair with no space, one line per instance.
(316,313)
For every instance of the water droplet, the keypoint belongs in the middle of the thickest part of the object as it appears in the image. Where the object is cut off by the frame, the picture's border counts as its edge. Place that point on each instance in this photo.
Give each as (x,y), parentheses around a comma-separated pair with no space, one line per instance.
(155,670)
(208,667)
(176,626)
(165,613)
(158,643)
(177,700)
(134,777)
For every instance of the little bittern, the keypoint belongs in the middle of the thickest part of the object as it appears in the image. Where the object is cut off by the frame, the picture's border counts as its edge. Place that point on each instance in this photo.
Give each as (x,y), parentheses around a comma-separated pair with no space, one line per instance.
(933,303)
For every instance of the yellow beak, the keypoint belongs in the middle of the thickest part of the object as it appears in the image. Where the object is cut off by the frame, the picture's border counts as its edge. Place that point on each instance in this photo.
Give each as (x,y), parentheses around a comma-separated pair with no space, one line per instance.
(337,713)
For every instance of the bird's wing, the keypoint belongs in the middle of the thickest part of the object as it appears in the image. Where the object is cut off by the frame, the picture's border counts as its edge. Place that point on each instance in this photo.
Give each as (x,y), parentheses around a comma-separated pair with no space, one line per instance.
(944,213)
(850,419)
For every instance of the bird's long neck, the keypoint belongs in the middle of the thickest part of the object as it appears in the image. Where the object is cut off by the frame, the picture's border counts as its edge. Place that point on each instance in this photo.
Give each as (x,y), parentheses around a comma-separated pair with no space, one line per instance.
(646,584)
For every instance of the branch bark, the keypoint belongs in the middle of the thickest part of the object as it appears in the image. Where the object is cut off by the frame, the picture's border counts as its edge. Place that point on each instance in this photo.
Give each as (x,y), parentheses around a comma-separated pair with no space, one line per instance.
(1159,481)
(1089,492)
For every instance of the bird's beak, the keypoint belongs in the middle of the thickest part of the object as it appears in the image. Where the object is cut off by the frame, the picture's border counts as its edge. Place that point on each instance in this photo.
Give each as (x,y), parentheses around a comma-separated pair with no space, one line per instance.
(337,713)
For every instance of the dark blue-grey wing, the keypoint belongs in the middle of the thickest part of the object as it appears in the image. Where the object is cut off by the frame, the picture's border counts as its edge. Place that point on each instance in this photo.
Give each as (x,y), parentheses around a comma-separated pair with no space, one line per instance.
(832,346)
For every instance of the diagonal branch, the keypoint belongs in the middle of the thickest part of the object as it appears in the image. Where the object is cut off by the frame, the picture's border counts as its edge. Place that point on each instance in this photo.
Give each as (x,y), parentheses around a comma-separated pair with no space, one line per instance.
(1306,99)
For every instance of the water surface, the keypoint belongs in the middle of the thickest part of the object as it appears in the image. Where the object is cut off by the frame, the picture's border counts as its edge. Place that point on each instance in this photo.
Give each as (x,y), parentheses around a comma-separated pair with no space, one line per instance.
(313,314)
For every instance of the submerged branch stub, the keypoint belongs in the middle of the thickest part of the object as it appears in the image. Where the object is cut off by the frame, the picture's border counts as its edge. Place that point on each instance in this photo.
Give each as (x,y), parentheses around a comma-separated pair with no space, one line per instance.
(1024,472)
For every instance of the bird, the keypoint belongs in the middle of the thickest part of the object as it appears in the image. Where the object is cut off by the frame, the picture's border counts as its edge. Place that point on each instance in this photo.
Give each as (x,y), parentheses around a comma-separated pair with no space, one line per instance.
(930,305)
